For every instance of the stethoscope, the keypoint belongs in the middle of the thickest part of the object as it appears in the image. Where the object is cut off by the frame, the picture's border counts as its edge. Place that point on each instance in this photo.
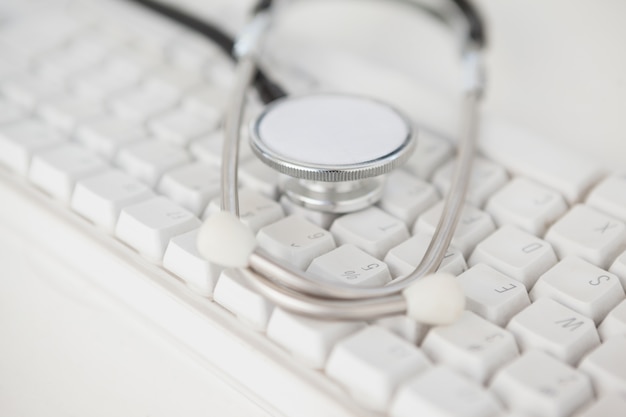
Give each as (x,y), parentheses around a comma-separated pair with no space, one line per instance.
(289,135)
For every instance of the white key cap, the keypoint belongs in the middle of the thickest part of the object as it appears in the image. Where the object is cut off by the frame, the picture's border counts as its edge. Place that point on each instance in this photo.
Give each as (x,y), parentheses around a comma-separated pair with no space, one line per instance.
(181,127)
(255,210)
(440,392)
(149,160)
(350,265)
(610,405)
(320,218)
(183,260)
(471,346)
(619,268)
(493,295)
(405,257)
(610,196)
(9,112)
(28,90)
(190,52)
(590,234)
(172,80)
(107,135)
(100,198)
(539,159)
(581,286)
(530,206)
(148,226)
(141,104)
(21,139)
(211,99)
(431,153)
(516,254)
(66,113)
(192,186)
(372,363)
(487,177)
(406,196)
(105,81)
(474,226)
(57,170)
(606,366)
(308,339)
(615,322)
(295,241)
(63,62)
(541,386)
(209,148)
(234,294)
(371,229)
(405,327)
(558,330)
(256,175)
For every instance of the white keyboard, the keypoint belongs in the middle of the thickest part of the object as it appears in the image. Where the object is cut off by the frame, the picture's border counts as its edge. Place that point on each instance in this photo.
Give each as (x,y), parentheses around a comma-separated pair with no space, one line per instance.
(110,130)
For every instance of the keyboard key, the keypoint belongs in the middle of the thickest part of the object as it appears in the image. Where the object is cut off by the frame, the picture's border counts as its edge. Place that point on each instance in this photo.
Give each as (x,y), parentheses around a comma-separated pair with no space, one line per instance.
(148,226)
(141,104)
(556,329)
(406,196)
(516,254)
(56,170)
(181,127)
(107,135)
(539,385)
(486,178)
(255,175)
(539,159)
(472,346)
(431,152)
(405,257)
(189,51)
(149,160)
(64,62)
(610,197)
(581,286)
(350,265)
(192,186)
(234,294)
(440,392)
(372,363)
(405,327)
(9,112)
(171,80)
(615,322)
(255,210)
(610,405)
(493,295)
(295,241)
(371,229)
(210,99)
(20,140)
(28,90)
(101,197)
(529,206)
(474,226)
(606,366)
(67,113)
(209,148)
(183,260)
(320,218)
(308,339)
(590,234)
(619,268)
(105,81)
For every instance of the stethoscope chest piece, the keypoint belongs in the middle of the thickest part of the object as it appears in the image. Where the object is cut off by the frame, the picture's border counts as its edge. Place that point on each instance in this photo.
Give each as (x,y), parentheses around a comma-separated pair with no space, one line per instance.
(333,149)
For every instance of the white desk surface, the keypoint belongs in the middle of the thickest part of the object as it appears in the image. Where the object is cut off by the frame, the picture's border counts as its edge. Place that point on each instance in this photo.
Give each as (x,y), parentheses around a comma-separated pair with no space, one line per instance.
(67,350)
